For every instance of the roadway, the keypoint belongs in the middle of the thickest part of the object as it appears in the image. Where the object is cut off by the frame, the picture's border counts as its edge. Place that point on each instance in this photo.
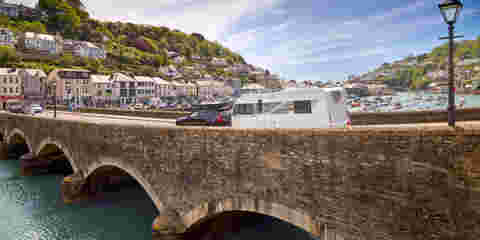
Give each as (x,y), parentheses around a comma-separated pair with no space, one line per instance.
(129,120)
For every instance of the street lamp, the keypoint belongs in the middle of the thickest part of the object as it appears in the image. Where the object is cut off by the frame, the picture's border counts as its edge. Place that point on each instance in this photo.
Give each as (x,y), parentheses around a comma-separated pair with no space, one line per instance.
(450,10)
(54,87)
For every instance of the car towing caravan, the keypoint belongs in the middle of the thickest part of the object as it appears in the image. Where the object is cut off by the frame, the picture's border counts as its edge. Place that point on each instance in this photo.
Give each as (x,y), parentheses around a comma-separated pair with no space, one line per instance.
(292,108)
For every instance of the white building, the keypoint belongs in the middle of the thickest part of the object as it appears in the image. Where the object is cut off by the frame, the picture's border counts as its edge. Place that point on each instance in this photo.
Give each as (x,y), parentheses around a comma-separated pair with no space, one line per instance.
(49,44)
(7,38)
(83,49)
(145,88)
(10,85)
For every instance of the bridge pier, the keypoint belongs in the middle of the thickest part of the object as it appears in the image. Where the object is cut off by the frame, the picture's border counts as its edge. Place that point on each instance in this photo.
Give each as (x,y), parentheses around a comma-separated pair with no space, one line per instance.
(73,188)
(3,151)
(168,226)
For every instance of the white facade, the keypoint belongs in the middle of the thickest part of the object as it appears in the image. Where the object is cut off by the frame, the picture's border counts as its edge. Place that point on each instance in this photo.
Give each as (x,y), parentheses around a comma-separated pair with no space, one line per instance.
(87,49)
(43,42)
(7,38)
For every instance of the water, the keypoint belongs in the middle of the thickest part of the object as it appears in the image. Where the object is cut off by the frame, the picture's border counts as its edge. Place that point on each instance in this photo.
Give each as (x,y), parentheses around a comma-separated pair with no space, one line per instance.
(409,103)
(32,208)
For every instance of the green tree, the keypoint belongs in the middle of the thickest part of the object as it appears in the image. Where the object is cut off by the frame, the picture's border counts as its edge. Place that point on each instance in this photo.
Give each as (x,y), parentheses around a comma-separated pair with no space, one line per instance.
(8,56)
(67,60)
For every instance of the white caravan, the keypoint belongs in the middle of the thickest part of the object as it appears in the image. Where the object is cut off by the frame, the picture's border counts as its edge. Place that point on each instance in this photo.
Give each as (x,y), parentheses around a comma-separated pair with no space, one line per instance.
(292,108)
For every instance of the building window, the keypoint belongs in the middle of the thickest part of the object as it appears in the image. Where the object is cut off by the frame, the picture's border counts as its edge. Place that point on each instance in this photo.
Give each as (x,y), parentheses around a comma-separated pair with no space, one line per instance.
(302,106)
(16,80)
(123,85)
(4,90)
(123,92)
(244,109)
(11,80)
(16,89)
(5,80)
(11,90)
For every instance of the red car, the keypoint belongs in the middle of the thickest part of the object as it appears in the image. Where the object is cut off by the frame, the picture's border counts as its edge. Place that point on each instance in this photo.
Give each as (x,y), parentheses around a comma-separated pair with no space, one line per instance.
(205,118)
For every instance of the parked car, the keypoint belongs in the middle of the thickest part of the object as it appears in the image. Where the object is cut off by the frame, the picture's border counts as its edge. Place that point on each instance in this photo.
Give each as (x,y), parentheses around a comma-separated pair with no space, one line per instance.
(36,108)
(16,108)
(205,118)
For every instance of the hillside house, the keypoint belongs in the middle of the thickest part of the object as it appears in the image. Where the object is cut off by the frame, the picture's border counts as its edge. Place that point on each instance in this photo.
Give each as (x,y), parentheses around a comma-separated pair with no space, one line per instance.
(219,62)
(8,9)
(7,38)
(40,43)
(179,59)
(83,49)
(172,54)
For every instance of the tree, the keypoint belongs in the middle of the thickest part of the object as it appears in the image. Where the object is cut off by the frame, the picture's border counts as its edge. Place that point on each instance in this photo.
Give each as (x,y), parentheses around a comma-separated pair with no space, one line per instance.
(94,65)
(66,60)
(158,60)
(8,55)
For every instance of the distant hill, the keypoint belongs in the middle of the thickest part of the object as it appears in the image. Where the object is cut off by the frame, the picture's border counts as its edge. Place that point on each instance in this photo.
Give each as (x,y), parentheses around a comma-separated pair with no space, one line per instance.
(140,49)
(417,72)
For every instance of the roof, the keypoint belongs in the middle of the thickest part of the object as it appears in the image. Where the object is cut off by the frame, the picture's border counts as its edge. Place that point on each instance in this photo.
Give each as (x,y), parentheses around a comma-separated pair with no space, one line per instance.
(160,81)
(5,71)
(253,86)
(144,79)
(40,36)
(34,72)
(289,94)
(122,77)
(100,78)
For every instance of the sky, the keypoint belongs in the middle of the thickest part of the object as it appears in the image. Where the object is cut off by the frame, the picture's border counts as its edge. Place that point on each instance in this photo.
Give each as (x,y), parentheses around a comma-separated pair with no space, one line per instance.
(316,40)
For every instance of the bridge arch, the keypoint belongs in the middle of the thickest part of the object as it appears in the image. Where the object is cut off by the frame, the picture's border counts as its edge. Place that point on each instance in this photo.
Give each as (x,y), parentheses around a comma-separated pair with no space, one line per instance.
(49,141)
(19,132)
(133,173)
(210,210)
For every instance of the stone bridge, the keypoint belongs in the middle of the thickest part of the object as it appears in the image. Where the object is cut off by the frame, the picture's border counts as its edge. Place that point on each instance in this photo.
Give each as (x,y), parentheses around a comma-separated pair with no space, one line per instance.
(368,183)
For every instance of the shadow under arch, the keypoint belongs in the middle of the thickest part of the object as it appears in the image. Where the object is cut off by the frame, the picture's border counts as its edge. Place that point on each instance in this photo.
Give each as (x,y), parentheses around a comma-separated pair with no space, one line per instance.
(95,168)
(17,132)
(47,142)
(208,211)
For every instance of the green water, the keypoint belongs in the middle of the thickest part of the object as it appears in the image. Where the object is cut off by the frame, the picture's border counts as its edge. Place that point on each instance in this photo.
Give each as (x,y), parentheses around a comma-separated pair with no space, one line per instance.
(32,208)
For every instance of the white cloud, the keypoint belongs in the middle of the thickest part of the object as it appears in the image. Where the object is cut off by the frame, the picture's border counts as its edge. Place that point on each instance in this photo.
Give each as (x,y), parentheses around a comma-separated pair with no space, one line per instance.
(211,18)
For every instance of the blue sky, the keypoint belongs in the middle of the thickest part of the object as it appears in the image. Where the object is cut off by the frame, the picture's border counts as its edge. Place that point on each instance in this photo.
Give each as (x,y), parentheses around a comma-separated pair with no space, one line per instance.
(303,39)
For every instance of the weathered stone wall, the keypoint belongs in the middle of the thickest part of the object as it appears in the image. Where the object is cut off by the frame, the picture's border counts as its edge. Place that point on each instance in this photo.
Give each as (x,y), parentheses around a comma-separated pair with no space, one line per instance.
(362,184)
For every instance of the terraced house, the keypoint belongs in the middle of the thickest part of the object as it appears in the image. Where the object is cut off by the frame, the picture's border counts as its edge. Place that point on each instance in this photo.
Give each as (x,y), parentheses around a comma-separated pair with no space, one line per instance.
(72,85)
(11,87)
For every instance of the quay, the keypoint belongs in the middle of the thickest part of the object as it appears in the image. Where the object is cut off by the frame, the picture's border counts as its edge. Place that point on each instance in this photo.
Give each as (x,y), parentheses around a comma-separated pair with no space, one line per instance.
(368,182)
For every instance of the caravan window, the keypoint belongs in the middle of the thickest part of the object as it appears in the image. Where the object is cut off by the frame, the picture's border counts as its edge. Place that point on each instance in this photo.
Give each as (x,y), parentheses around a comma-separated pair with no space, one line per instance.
(244,109)
(268,107)
(302,106)
(281,107)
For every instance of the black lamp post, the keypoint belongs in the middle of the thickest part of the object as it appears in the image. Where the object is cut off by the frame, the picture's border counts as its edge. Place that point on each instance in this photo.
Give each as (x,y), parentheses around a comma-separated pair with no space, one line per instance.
(54,88)
(450,10)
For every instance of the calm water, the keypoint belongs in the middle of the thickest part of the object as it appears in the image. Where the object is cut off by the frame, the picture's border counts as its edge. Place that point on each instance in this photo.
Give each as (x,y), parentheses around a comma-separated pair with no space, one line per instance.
(410,103)
(32,208)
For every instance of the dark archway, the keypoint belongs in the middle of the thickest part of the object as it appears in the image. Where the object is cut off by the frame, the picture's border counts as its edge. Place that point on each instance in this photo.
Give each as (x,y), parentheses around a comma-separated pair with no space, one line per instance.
(50,158)
(247,225)
(17,145)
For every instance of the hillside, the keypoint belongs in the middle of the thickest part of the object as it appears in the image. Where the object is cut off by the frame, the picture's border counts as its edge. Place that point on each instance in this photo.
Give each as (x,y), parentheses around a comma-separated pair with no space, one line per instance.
(130,47)
(418,72)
